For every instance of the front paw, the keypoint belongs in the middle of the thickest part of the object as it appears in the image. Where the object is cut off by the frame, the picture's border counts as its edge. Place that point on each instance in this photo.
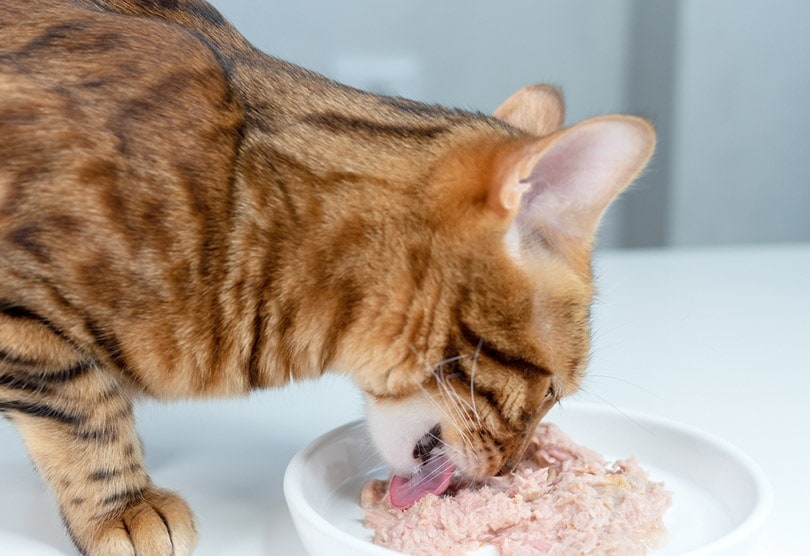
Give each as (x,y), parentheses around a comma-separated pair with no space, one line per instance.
(155,523)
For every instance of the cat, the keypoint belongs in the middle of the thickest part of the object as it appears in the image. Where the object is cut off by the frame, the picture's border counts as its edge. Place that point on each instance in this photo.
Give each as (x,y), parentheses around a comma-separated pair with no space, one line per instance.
(183,216)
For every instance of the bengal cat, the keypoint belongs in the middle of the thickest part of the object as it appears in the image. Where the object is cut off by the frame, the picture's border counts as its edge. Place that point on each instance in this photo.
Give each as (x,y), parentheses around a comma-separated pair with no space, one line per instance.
(182,215)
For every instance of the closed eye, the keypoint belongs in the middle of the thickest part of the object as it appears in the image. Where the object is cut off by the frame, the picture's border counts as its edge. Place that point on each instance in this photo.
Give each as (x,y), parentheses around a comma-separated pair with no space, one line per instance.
(451,368)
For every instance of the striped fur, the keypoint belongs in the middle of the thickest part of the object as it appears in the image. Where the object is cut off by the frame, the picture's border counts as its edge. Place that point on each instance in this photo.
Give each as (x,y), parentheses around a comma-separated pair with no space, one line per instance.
(184,216)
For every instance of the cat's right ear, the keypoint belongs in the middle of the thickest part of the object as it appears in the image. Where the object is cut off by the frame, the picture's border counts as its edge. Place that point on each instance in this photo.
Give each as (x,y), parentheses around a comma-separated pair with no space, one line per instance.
(536,109)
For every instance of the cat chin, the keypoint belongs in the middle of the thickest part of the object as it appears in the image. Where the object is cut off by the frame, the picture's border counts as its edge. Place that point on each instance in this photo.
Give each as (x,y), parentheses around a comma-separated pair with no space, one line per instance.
(397,425)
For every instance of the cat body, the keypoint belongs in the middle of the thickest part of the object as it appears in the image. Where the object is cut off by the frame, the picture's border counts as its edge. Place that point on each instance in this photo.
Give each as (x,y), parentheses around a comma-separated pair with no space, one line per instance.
(184,216)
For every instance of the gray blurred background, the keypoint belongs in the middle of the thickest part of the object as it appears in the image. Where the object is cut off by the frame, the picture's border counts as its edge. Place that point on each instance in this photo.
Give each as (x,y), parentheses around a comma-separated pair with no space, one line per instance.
(727,83)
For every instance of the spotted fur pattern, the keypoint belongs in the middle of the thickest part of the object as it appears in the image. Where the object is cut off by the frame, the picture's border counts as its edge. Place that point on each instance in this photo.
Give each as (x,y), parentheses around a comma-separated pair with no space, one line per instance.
(184,216)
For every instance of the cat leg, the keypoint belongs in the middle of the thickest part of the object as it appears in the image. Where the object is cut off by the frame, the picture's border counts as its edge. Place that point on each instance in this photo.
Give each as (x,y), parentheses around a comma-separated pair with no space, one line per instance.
(78,426)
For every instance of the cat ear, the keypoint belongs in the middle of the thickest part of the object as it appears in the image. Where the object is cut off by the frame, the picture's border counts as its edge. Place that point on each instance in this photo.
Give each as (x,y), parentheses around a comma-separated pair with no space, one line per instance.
(536,109)
(558,189)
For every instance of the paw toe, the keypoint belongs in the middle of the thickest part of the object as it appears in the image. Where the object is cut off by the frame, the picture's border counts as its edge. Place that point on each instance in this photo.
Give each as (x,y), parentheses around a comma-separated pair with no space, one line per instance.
(158,523)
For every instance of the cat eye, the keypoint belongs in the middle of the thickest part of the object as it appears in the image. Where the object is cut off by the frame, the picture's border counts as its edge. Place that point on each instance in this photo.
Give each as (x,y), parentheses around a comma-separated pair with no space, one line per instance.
(450,369)
(550,393)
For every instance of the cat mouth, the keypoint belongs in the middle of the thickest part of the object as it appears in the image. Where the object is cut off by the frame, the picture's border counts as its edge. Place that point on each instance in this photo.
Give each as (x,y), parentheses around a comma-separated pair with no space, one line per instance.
(433,475)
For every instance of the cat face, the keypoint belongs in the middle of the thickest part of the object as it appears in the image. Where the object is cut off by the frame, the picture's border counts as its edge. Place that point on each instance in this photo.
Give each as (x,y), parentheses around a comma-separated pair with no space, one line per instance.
(512,349)
(498,330)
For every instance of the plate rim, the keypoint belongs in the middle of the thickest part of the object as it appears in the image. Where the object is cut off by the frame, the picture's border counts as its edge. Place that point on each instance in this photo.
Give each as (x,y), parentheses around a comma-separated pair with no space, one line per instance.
(763,491)
(291,486)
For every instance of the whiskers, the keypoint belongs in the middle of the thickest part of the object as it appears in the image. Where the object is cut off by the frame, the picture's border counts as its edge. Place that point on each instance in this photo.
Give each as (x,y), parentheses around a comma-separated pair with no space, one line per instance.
(460,413)
(619,410)
(370,457)
(590,377)
(472,380)
(437,471)
(451,419)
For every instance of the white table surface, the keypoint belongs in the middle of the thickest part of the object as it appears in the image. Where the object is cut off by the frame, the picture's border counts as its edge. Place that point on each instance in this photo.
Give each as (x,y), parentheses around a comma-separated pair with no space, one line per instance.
(714,337)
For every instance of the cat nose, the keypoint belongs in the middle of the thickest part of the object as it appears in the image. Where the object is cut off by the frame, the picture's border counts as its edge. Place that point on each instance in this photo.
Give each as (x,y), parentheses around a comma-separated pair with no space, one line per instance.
(515,457)
(427,443)
(508,466)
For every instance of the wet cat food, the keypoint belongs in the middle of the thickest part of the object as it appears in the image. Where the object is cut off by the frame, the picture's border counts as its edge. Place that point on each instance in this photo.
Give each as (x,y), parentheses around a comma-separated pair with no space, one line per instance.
(561,499)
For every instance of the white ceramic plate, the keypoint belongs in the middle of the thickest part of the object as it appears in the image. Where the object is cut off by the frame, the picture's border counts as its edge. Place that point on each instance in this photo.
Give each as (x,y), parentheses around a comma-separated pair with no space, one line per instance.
(720,496)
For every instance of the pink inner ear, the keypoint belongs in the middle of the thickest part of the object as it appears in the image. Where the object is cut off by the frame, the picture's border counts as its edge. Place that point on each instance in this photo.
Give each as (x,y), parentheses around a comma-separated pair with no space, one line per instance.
(581,172)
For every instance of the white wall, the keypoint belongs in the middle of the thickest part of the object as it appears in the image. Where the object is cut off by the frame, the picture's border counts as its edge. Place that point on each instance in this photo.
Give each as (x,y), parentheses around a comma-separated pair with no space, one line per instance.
(741,146)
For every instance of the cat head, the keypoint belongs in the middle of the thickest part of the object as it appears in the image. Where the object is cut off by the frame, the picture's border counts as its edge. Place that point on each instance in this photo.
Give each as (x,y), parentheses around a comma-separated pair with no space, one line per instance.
(495,328)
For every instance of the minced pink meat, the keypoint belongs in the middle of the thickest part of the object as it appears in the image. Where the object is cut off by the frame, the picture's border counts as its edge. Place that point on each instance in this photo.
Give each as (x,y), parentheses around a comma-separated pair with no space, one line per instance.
(561,499)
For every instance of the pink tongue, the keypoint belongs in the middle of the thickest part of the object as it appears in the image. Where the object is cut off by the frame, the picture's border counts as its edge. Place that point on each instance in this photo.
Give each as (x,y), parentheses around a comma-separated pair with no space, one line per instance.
(432,477)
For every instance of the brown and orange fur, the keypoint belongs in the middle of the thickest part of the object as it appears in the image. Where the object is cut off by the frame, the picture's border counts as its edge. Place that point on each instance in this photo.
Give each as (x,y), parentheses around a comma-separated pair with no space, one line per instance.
(184,216)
